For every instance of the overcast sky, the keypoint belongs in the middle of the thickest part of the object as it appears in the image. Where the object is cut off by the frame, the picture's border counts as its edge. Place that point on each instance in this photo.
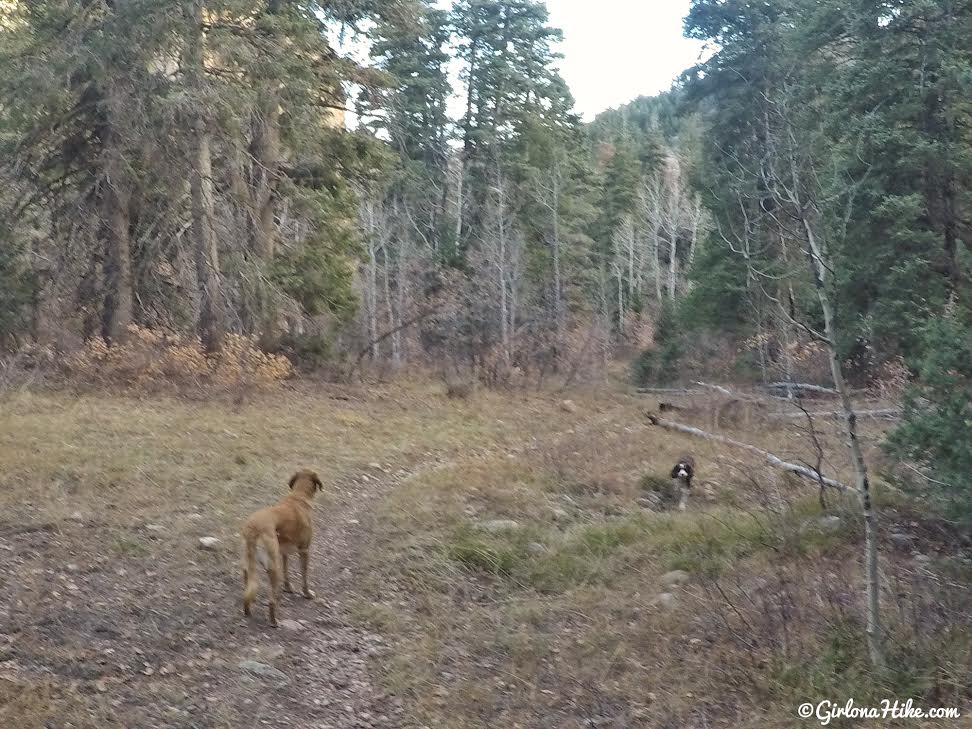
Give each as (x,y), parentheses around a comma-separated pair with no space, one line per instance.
(616,50)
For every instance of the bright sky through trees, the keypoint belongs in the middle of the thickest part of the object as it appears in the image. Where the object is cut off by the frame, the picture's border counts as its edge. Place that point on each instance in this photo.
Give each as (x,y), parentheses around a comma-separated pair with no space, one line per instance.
(616,50)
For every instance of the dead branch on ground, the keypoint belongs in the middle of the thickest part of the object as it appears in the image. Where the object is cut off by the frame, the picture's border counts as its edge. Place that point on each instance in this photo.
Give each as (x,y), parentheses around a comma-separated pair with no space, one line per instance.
(773,460)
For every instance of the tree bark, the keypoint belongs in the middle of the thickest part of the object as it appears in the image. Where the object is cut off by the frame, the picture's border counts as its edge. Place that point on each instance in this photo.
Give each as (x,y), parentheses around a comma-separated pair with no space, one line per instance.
(558,278)
(210,321)
(116,200)
(211,328)
(467,143)
(656,255)
(265,150)
(371,283)
(672,266)
(119,308)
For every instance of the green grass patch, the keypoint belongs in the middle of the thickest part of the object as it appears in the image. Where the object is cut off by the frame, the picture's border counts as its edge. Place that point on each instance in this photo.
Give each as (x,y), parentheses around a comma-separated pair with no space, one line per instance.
(127,546)
(598,553)
(480,554)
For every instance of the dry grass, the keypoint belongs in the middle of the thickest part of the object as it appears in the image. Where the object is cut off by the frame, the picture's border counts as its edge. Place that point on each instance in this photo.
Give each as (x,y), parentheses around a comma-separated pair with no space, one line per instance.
(102,500)
(105,621)
(558,621)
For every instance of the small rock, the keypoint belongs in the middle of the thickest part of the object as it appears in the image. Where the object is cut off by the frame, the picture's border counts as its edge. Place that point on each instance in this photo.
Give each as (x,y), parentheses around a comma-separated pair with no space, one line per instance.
(665,600)
(558,513)
(568,406)
(901,540)
(535,548)
(195,517)
(72,567)
(291,625)
(155,527)
(375,466)
(262,669)
(76,516)
(675,577)
(208,543)
(829,523)
(495,526)
(922,559)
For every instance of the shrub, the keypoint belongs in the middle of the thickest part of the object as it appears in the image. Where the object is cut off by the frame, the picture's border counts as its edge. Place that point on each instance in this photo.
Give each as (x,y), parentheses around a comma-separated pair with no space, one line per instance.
(659,364)
(17,288)
(150,359)
(938,413)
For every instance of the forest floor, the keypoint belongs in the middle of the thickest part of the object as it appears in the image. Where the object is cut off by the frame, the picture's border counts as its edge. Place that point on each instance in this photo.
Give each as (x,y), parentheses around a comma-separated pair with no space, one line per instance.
(498,561)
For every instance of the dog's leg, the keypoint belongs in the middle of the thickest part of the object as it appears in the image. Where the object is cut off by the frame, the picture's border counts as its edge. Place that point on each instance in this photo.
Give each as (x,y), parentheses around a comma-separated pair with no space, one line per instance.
(272,548)
(246,584)
(274,574)
(304,559)
(286,573)
(683,500)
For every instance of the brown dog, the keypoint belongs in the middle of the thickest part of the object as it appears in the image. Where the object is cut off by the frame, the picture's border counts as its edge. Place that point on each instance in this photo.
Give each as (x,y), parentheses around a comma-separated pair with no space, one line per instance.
(280,529)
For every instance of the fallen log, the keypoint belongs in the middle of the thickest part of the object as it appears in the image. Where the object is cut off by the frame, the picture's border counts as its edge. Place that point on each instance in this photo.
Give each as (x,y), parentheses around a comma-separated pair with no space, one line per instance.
(800,387)
(776,461)
(732,395)
(887,413)
(668,391)
(718,388)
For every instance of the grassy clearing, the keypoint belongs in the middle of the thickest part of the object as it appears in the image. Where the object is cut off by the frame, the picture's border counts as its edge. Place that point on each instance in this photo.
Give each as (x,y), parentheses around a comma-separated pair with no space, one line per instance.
(566,617)
(102,500)
(571,617)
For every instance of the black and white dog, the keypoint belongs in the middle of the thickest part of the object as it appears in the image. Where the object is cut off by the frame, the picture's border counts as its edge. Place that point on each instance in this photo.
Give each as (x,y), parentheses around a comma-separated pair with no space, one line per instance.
(682,473)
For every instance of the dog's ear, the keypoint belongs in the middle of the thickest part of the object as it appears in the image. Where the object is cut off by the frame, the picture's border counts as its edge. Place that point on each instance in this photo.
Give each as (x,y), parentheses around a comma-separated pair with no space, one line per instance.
(293,480)
(317,483)
(674,472)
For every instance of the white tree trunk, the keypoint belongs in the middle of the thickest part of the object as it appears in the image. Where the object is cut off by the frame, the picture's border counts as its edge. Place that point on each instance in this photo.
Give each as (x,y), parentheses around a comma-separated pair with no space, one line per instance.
(820,265)
(371,283)
(390,309)
(672,266)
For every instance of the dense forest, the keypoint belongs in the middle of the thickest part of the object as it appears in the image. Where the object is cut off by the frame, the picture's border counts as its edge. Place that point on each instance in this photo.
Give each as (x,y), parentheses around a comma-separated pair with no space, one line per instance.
(186,168)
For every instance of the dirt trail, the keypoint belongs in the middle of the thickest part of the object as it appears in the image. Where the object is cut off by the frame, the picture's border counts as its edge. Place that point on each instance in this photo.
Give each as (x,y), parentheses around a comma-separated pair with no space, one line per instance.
(160,640)
(149,632)
(334,657)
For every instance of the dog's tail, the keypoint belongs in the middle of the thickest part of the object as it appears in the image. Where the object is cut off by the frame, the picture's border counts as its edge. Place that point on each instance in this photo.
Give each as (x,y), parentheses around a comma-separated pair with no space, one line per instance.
(253,538)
